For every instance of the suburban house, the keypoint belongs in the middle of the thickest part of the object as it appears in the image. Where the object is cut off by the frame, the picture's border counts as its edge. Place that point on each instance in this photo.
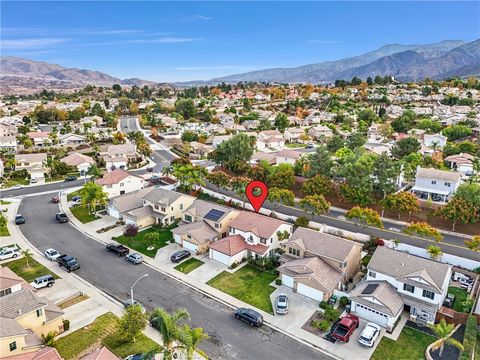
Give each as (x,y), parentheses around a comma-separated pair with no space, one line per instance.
(435,140)
(160,206)
(270,140)
(320,132)
(438,185)
(217,140)
(250,234)
(397,282)
(24,317)
(462,162)
(79,161)
(121,204)
(33,163)
(8,144)
(93,120)
(39,138)
(199,150)
(294,134)
(11,282)
(119,182)
(8,130)
(288,156)
(100,354)
(316,264)
(203,224)
(118,156)
(71,139)
(46,353)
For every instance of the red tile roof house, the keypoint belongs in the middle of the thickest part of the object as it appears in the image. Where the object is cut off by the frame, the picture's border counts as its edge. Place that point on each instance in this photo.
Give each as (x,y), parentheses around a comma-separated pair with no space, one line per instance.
(250,234)
(119,182)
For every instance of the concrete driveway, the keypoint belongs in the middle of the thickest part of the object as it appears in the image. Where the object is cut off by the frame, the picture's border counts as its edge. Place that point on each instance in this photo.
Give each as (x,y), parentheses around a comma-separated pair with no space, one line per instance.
(207,271)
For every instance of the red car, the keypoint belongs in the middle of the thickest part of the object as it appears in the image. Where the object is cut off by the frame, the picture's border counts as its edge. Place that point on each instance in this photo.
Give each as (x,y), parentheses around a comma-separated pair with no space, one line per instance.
(345,328)
(55,199)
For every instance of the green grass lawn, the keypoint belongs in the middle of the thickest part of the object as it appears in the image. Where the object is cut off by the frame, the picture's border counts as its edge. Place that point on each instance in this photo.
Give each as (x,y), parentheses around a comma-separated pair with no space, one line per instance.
(248,284)
(139,243)
(189,265)
(4,231)
(102,332)
(295,145)
(82,214)
(62,177)
(3,202)
(35,270)
(72,194)
(460,296)
(410,345)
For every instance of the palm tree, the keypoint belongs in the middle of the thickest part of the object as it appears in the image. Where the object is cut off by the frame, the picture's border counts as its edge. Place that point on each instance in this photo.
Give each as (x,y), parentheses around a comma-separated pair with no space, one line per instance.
(444,332)
(434,251)
(169,327)
(191,338)
(167,170)
(93,195)
(49,339)
(28,256)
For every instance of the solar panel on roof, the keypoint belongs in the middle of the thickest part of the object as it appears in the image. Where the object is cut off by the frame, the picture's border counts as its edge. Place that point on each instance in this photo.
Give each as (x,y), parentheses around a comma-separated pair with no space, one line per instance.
(214,215)
(370,288)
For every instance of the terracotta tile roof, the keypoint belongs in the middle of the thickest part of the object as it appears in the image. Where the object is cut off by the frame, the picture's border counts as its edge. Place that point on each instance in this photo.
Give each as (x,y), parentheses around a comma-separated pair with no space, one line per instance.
(76,159)
(37,134)
(100,354)
(261,225)
(231,245)
(113,177)
(47,353)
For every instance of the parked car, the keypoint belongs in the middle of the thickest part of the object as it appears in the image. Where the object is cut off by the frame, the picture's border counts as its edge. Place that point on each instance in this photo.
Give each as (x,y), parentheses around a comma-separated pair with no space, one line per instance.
(281,304)
(68,262)
(150,169)
(9,252)
(344,328)
(135,357)
(55,199)
(369,334)
(19,219)
(61,217)
(16,187)
(76,198)
(118,249)
(33,180)
(457,276)
(135,258)
(449,300)
(70,178)
(52,254)
(466,284)
(332,301)
(250,316)
(180,255)
(43,281)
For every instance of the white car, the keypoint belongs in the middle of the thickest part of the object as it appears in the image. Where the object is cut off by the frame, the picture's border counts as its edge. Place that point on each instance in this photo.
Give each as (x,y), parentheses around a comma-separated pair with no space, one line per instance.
(9,252)
(16,187)
(369,334)
(52,254)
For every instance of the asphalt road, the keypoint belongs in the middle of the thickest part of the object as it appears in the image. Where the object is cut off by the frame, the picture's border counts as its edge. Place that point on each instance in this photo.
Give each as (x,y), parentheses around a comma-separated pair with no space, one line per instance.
(450,244)
(41,188)
(229,338)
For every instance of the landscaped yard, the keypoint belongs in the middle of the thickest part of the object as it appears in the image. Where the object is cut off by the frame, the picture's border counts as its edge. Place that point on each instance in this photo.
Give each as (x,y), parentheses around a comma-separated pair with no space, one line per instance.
(248,284)
(3,202)
(139,243)
(30,273)
(460,296)
(189,265)
(82,214)
(72,194)
(4,231)
(410,345)
(102,332)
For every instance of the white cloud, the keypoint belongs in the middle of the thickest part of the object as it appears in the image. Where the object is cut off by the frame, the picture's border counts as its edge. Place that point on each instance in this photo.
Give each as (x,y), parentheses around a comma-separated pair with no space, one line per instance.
(27,44)
(197,17)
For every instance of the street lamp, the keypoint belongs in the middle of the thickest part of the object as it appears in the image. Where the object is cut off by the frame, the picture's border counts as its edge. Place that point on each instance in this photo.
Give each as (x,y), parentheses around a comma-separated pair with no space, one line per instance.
(135,283)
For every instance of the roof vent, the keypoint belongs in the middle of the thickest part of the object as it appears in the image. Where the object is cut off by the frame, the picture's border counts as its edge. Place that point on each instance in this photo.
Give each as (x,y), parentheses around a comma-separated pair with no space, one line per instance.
(20,311)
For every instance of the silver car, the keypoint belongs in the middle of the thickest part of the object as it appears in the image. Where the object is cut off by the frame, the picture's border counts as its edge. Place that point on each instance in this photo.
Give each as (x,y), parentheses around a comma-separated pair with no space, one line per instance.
(281,304)
(135,258)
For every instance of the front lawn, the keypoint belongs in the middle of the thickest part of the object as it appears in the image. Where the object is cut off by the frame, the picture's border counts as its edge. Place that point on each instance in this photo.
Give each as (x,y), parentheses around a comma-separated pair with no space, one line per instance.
(3,202)
(410,345)
(460,296)
(138,242)
(82,214)
(189,265)
(248,284)
(4,231)
(30,273)
(102,332)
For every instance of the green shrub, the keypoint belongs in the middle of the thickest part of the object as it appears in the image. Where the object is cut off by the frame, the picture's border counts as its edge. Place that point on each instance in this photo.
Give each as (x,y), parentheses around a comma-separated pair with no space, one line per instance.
(331,314)
(324,325)
(66,324)
(234,265)
(470,337)
(302,221)
(323,305)
(278,282)
(366,260)
(344,301)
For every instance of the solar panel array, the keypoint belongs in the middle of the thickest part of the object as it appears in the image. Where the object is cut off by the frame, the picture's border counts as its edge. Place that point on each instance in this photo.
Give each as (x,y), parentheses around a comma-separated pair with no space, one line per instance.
(214,215)
(370,288)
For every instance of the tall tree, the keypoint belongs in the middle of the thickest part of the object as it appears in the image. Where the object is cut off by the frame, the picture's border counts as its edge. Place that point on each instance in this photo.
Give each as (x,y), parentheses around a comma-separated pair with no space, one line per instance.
(234,153)
(281,122)
(281,196)
(385,172)
(321,162)
(281,176)
(443,331)
(315,204)
(186,108)
(457,210)
(434,251)
(92,195)
(191,339)
(402,202)
(133,322)
(405,147)
(318,184)
(365,216)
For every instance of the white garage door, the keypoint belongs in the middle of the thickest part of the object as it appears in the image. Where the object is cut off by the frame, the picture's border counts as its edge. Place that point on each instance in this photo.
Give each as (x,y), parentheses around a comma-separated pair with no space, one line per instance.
(287,280)
(310,292)
(371,315)
(222,258)
(189,246)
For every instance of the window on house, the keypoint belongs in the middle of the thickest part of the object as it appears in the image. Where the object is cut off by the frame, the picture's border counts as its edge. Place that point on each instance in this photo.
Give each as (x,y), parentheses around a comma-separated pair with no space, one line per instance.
(171,208)
(447,184)
(5,292)
(232,230)
(13,346)
(263,241)
(122,184)
(156,207)
(250,238)
(163,209)
(217,226)
(372,274)
(409,288)
(344,264)
(188,218)
(433,182)
(428,294)
(189,236)
(181,206)
(39,312)
(109,186)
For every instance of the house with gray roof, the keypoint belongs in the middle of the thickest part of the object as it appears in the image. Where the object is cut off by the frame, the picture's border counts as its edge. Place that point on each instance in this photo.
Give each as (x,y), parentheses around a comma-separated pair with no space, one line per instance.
(434,184)
(421,284)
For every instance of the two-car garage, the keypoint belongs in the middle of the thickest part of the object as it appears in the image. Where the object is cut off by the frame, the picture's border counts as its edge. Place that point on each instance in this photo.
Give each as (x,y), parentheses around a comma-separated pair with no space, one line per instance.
(302,289)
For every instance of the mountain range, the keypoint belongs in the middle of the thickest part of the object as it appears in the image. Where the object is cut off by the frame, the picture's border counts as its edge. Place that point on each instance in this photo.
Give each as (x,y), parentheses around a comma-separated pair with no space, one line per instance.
(449,58)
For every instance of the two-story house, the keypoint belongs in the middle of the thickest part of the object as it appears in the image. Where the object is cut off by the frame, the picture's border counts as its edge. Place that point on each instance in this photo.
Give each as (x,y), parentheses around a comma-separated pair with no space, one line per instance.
(270,140)
(118,156)
(33,163)
(8,144)
(398,282)
(80,161)
(250,235)
(316,264)
(204,223)
(438,185)
(437,141)
(320,132)
(39,138)
(119,182)
(294,134)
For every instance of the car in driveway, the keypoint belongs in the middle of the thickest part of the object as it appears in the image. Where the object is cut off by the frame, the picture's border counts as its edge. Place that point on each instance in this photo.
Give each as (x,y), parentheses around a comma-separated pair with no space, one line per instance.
(136,357)
(55,199)
(19,219)
(345,327)
(180,255)
(52,254)
(250,316)
(9,252)
(118,249)
(369,334)
(61,217)
(134,258)
(43,281)
(68,262)
(281,304)
(70,178)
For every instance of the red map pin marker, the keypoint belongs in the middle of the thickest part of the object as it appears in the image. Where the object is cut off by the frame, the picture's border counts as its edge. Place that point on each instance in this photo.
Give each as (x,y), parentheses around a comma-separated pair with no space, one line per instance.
(257,193)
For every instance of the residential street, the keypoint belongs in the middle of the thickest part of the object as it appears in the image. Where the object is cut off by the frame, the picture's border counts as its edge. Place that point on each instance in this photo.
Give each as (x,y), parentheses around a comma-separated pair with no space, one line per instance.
(229,337)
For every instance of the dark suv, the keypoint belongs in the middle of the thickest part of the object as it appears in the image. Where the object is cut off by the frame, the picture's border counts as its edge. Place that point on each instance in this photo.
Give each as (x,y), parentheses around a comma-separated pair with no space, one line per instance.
(250,316)
(70,178)
(68,262)
(180,255)
(61,217)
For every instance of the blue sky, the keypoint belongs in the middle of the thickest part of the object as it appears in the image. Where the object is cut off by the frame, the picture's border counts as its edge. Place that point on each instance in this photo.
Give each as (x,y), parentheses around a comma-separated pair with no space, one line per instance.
(175,41)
